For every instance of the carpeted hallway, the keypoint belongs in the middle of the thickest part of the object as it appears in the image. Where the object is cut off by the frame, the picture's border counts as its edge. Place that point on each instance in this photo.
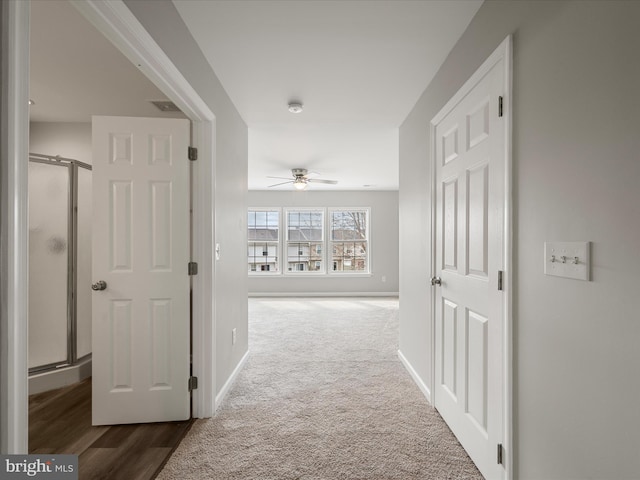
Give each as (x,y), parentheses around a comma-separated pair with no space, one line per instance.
(322,396)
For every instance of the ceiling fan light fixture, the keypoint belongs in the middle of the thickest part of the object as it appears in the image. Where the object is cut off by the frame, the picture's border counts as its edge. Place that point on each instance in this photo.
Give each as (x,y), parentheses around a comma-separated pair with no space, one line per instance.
(295,107)
(300,179)
(299,184)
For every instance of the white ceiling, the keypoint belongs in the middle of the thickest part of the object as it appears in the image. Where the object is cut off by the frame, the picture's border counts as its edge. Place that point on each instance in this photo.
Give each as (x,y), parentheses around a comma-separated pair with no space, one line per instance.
(358,66)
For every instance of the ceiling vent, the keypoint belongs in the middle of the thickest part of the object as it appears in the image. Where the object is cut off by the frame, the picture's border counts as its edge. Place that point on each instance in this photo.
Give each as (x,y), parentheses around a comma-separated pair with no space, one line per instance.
(165,106)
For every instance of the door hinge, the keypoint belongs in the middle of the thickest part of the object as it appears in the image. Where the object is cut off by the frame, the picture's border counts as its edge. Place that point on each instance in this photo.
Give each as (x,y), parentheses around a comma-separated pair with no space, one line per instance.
(500,454)
(192,153)
(193,383)
(500,280)
(193,268)
(500,101)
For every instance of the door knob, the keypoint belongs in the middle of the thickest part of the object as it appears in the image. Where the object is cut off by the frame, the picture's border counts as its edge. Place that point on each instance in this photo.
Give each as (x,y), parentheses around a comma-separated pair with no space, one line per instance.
(436,281)
(99,285)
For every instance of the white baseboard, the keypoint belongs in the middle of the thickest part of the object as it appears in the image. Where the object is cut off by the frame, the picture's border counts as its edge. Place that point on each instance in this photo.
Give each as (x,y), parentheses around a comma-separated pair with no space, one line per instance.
(323,294)
(416,378)
(45,381)
(229,383)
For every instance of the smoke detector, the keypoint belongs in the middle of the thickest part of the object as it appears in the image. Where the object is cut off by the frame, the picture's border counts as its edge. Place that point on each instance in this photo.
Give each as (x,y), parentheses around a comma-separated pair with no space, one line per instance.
(295,107)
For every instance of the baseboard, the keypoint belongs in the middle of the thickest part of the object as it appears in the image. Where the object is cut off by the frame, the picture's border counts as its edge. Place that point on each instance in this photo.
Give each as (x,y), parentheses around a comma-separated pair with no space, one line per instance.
(416,378)
(323,294)
(229,383)
(42,382)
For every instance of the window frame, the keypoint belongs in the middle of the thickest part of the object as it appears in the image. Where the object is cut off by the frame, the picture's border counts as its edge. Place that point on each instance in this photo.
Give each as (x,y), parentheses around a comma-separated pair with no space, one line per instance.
(285,243)
(258,272)
(326,245)
(330,242)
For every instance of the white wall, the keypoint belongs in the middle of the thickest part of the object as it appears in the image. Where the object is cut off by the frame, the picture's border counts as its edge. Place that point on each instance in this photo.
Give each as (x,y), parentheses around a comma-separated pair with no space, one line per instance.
(383,244)
(162,21)
(576,173)
(69,140)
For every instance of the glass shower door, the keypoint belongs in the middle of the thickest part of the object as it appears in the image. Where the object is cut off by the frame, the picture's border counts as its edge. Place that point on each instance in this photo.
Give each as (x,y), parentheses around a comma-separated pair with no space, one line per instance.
(49,199)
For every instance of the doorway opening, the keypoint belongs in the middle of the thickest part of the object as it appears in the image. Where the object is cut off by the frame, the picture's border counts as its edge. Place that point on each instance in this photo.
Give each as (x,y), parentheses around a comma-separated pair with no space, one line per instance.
(471,264)
(203,134)
(67,86)
(117,23)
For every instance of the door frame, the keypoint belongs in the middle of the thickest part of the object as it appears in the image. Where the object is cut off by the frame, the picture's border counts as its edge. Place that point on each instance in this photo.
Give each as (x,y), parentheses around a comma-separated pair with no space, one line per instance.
(504,53)
(14,228)
(116,22)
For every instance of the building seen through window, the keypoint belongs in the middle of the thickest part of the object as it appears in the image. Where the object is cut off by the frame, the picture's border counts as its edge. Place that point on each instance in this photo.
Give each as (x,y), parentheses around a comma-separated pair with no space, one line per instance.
(263,233)
(304,240)
(349,240)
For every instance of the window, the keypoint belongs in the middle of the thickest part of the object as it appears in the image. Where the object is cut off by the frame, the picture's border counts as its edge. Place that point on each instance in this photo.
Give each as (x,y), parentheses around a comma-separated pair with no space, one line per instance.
(263,234)
(305,236)
(292,240)
(349,236)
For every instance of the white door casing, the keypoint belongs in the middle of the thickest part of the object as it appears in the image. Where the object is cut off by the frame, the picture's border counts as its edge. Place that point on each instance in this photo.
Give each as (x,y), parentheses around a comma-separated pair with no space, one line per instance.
(470,165)
(14,227)
(141,250)
(118,24)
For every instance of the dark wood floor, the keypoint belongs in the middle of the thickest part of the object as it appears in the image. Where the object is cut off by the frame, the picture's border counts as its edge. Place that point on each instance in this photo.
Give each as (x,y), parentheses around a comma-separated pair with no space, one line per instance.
(60,422)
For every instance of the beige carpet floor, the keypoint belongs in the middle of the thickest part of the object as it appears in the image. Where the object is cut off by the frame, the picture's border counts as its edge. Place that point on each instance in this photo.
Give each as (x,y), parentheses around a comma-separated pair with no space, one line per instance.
(323,396)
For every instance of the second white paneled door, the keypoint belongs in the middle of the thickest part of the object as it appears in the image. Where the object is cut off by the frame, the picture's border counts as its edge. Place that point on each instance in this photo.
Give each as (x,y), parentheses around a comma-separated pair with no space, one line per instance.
(469,154)
(141,325)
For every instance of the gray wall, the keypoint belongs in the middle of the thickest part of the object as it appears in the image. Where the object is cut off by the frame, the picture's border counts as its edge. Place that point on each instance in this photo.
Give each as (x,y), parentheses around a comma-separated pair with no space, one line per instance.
(576,173)
(162,21)
(384,243)
(69,140)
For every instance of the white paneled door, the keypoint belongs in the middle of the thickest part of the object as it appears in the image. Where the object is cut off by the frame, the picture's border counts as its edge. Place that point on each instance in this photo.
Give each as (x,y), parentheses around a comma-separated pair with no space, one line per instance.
(469,154)
(141,253)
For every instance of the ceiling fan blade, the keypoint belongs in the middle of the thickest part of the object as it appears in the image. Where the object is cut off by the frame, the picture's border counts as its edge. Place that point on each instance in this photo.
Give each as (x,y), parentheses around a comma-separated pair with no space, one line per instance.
(283,178)
(278,184)
(320,180)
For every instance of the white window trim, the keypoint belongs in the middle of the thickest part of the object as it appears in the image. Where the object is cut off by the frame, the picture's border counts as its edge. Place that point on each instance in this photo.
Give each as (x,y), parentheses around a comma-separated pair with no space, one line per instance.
(367,272)
(279,250)
(327,250)
(285,242)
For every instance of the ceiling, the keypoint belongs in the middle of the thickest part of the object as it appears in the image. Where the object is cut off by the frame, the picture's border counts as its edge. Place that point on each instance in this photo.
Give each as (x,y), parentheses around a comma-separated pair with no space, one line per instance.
(358,67)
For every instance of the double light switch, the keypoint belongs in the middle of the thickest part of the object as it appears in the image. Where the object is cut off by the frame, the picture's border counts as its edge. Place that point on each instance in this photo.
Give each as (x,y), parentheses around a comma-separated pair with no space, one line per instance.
(567,259)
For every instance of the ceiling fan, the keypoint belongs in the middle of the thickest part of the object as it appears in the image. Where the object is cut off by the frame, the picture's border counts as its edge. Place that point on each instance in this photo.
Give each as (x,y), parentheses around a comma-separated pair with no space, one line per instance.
(300,179)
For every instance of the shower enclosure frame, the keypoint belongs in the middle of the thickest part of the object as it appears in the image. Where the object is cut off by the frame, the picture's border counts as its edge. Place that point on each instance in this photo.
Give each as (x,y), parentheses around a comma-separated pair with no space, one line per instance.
(72,167)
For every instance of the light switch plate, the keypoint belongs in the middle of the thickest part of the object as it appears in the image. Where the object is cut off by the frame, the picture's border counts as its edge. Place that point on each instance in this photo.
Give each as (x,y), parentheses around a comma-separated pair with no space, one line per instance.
(567,259)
